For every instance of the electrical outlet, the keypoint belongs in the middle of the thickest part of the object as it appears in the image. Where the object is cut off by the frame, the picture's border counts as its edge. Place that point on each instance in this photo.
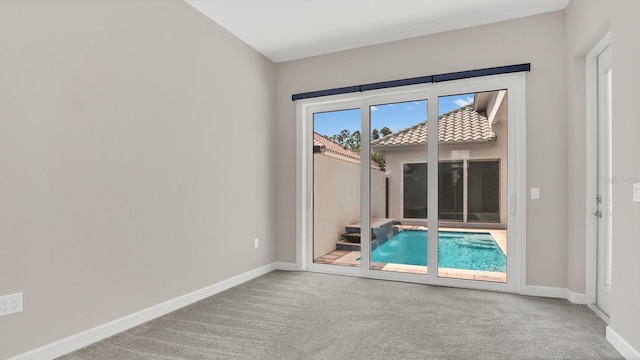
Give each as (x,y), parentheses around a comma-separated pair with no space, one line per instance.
(256,243)
(10,304)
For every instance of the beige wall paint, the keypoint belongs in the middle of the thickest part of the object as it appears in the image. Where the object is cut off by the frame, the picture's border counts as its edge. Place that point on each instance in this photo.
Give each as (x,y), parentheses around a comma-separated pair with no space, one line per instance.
(136,161)
(336,199)
(539,40)
(587,22)
(113,116)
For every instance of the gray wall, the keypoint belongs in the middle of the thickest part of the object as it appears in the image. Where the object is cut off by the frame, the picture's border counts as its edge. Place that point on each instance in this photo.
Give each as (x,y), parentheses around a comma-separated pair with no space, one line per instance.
(540,40)
(587,22)
(136,161)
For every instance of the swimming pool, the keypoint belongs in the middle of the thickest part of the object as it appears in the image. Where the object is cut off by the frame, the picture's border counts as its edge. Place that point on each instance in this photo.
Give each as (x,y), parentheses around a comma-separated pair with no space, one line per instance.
(456,250)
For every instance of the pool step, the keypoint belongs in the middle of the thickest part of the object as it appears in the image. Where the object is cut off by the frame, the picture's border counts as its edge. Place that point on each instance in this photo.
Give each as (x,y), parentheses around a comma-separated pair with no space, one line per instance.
(478,243)
(345,245)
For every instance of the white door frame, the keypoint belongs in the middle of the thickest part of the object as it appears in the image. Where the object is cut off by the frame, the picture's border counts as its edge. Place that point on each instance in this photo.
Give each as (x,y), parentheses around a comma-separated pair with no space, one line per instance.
(591,184)
(604,242)
(515,83)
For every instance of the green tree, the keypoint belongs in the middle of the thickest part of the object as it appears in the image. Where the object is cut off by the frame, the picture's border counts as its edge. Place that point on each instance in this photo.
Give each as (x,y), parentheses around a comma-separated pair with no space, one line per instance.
(353,142)
(380,160)
(377,157)
(342,137)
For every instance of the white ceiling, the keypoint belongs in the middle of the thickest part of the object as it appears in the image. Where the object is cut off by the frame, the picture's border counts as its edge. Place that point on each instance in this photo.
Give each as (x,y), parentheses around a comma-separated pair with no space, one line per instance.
(286,30)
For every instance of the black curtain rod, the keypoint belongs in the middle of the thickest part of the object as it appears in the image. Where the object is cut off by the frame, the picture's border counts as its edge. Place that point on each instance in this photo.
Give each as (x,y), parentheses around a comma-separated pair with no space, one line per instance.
(416,80)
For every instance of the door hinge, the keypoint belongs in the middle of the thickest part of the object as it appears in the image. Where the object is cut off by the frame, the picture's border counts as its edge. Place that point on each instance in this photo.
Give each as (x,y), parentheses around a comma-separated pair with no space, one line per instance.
(598,214)
(599,199)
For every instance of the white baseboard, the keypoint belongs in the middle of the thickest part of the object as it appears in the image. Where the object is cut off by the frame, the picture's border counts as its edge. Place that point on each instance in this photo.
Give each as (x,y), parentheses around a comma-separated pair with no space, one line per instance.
(556,292)
(577,298)
(545,291)
(286,266)
(75,342)
(623,347)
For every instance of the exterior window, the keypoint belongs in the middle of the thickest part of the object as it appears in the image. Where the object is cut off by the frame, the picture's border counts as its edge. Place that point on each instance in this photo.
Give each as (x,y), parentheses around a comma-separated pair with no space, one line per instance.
(484,191)
(415,191)
(450,190)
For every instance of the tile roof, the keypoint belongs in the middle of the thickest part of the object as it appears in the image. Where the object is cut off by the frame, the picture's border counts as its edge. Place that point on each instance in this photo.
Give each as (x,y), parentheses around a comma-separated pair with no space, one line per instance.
(327,145)
(462,125)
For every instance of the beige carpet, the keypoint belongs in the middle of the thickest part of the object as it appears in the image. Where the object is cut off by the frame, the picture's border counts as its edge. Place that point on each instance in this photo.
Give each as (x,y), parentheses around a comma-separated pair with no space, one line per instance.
(302,315)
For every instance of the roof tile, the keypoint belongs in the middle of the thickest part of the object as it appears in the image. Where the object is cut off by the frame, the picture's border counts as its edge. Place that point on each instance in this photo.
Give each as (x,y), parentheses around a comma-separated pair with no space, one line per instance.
(330,146)
(462,125)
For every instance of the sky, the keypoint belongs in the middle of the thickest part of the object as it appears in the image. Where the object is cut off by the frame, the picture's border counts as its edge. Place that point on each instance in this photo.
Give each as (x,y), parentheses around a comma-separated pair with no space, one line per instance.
(395,116)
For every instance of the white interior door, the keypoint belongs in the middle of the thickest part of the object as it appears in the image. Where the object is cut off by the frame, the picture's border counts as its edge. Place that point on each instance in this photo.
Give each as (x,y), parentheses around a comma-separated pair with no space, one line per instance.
(604,213)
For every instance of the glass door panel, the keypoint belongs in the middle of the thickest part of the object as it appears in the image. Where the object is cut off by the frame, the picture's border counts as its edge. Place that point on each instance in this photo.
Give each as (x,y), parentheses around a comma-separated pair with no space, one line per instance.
(472,186)
(336,187)
(398,189)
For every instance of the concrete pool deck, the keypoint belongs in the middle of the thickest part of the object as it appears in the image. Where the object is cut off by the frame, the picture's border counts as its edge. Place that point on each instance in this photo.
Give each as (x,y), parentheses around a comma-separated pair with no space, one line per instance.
(349,258)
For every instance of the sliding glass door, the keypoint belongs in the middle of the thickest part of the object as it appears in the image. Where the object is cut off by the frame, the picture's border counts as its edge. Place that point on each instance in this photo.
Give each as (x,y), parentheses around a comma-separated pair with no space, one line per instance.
(473,186)
(397,144)
(336,187)
(415,183)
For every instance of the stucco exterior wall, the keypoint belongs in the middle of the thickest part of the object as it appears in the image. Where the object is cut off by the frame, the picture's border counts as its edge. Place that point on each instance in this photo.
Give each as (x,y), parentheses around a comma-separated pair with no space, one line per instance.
(397,158)
(336,199)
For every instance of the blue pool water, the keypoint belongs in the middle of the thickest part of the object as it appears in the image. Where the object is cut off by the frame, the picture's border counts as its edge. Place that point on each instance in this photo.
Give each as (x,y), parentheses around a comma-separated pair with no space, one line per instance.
(457,250)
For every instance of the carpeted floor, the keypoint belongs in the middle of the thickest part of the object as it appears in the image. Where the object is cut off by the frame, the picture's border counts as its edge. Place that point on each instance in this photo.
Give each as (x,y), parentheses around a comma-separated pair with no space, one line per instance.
(303,315)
